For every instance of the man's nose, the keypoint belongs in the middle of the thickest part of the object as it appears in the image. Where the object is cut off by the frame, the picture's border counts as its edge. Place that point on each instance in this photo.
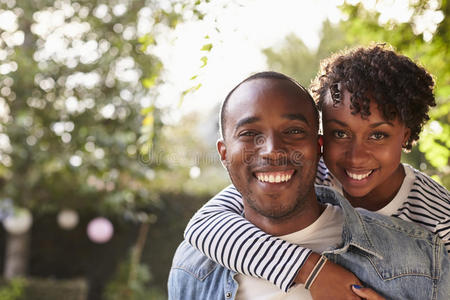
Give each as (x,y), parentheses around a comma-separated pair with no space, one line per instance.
(271,147)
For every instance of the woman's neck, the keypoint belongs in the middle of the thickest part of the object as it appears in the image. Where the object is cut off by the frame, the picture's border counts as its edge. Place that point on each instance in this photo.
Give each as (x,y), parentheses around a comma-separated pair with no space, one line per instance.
(382,195)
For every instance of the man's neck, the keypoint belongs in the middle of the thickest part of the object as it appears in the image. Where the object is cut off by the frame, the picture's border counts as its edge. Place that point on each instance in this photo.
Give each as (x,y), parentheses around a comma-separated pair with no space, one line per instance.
(297,220)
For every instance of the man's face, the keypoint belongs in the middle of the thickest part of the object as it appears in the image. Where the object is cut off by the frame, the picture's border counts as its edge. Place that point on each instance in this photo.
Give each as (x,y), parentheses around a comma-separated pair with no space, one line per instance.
(270,147)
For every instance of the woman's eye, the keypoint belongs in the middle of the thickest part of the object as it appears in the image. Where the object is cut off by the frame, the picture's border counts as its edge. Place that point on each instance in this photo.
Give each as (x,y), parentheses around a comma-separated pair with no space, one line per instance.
(378,136)
(339,134)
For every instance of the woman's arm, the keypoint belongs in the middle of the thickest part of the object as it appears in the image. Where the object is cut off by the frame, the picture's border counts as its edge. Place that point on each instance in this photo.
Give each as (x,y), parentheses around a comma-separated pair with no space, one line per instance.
(221,233)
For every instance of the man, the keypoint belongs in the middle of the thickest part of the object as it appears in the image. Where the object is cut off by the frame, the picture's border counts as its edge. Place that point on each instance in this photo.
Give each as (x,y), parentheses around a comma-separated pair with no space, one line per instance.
(271,149)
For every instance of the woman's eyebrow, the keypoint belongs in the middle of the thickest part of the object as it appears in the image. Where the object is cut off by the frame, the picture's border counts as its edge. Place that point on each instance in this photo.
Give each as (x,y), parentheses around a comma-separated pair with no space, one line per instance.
(381,123)
(371,125)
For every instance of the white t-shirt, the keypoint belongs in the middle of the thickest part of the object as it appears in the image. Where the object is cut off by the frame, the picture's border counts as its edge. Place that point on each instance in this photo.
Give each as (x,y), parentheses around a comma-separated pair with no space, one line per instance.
(323,234)
(402,194)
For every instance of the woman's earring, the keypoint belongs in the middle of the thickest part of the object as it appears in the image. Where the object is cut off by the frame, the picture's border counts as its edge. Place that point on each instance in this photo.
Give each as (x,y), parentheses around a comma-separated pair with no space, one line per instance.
(404,148)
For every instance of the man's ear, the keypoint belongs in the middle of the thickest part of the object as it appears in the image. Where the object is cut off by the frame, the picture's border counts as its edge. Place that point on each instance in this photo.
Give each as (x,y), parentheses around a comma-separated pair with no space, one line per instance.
(222,149)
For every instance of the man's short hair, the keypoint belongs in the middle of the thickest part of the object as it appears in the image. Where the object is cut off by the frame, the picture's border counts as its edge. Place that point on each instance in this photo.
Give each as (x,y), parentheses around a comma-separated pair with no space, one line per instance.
(264,75)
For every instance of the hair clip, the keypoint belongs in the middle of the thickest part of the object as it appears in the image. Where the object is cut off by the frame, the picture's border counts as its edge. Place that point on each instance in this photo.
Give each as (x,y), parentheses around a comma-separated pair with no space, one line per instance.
(335,92)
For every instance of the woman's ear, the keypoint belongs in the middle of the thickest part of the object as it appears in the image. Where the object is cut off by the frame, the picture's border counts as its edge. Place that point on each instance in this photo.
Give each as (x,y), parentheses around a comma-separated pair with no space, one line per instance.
(406,136)
(222,149)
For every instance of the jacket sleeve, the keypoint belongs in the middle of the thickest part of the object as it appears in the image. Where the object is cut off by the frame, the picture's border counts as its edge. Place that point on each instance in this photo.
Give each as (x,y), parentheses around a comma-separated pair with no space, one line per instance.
(180,287)
(220,232)
(173,289)
(442,268)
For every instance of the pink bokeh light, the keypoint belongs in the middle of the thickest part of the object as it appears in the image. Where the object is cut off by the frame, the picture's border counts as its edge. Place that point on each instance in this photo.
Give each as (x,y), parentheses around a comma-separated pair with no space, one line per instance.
(100,230)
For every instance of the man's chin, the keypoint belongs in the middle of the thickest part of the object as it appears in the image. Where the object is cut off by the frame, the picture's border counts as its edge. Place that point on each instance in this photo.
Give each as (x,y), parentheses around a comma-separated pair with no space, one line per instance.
(272,205)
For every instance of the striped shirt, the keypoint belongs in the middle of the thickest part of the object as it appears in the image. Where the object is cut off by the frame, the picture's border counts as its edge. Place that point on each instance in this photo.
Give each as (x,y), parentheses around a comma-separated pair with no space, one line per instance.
(220,231)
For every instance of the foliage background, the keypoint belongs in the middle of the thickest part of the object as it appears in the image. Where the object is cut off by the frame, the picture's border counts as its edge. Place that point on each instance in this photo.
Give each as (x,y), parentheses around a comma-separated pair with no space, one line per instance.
(81,128)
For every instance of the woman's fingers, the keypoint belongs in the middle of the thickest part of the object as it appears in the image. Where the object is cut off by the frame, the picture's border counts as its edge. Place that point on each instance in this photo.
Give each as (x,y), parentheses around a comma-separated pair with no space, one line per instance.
(366,293)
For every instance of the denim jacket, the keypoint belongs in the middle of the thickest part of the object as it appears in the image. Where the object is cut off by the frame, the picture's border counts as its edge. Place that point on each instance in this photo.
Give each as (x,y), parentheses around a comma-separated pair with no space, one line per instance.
(398,259)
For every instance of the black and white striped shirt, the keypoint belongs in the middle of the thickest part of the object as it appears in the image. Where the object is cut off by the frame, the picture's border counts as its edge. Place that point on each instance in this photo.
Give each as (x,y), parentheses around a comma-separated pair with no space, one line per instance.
(221,233)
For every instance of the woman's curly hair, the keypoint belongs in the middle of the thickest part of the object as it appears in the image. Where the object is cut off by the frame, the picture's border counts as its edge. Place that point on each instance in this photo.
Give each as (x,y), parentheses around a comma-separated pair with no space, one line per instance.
(400,87)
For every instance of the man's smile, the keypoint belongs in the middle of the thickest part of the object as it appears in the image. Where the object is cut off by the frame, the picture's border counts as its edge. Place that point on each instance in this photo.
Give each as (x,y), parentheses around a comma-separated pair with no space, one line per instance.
(274,177)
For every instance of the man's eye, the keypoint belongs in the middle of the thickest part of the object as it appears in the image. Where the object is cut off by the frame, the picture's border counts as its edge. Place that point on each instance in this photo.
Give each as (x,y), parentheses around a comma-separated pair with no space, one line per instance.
(378,135)
(295,131)
(340,134)
(248,133)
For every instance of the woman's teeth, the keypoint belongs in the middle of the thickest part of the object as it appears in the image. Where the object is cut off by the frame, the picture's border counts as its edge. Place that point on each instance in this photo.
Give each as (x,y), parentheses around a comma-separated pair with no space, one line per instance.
(358,176)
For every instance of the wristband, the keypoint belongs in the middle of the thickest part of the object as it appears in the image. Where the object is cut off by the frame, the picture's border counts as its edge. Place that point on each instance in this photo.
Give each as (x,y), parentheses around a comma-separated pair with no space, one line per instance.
(315,272)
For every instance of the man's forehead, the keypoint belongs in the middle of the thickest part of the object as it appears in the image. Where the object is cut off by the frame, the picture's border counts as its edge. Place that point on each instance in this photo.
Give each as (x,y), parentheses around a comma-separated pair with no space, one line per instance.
(257,90)
(259,97)
(259,84)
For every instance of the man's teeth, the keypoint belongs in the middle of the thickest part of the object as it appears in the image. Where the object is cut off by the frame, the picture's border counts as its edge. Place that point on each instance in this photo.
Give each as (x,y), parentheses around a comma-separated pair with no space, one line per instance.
(274,177)
(358,176)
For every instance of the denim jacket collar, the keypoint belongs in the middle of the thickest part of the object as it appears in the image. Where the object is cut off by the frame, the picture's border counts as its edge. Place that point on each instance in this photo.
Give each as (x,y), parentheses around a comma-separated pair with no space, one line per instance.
(354,230)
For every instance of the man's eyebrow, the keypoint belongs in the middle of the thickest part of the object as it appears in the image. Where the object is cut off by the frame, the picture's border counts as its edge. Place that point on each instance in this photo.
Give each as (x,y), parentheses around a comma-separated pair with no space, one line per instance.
(245,121)
(298,117)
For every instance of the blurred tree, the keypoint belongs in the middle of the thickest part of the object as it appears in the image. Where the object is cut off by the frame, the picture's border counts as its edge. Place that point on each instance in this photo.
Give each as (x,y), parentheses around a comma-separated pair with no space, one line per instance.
(74,77)
(297,60)
(421,32)
(293,58)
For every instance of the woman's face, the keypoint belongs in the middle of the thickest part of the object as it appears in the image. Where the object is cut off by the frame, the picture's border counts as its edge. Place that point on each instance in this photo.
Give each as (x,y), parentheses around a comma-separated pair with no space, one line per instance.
(363,154)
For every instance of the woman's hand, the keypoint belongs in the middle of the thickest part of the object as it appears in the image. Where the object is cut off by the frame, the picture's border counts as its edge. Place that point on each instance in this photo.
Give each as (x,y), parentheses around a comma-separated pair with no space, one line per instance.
(334,282)
(366,293)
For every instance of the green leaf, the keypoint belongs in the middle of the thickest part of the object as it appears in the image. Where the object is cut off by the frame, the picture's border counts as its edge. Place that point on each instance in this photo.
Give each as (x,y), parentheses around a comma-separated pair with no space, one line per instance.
(149,81)
(204,59)
(189,90)
(207,47)
(147,110)
(145,41)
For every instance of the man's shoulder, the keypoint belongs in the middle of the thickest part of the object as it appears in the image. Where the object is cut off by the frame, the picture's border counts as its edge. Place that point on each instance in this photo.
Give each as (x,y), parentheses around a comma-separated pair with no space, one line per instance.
(377,222)
(387,235)
(390,255)
(374,224)
(190,260)
(399,259)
